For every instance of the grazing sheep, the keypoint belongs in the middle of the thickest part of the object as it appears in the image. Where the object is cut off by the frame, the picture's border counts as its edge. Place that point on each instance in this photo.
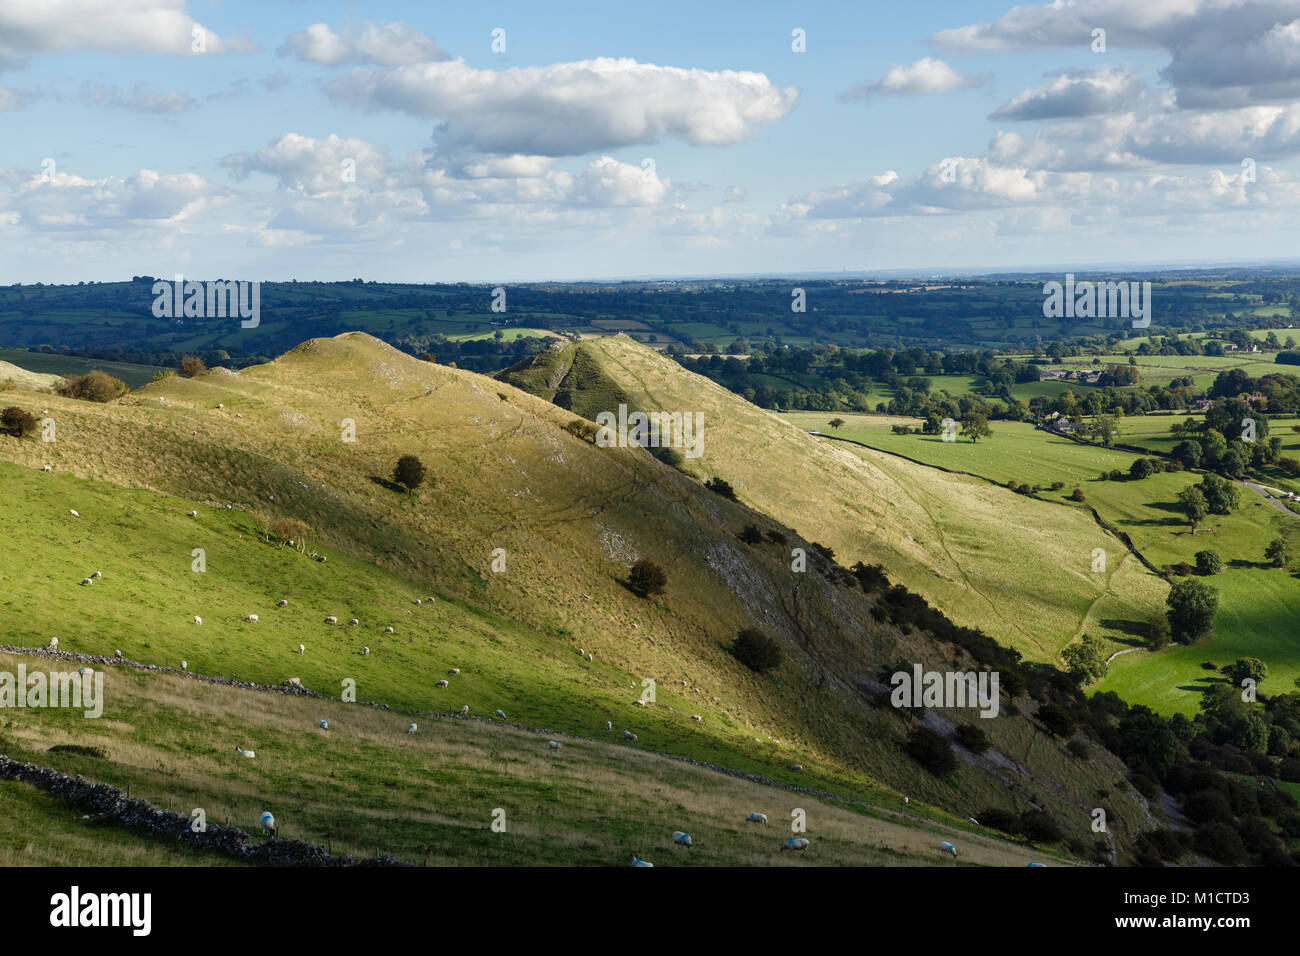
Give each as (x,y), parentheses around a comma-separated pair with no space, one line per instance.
(388,630)
(972,820)
(588,657)
(268,824)
(54,643)
(696,717)
(331,619)
(797,768)
(324,725)
(353,622)
(251,617)
(464,711)
(85,670)
(194,514)
(117,654)
(1035,864)
(441,683)
(628,735)
(798,844)
(634,623)
(581,652)
(87,581)
(244,753)
(682,839)
(197,619)
(906,801)
(411,728)
(365,651)
(454,670)
(757,818)
(554,744)
(417,601)
(639,702)
(636,862)
(185,665)
(501,714)
(947,847)
(283,602)
(294,681)
(73,513)
(609,725)
(97,574)
(301,649)
(47,468)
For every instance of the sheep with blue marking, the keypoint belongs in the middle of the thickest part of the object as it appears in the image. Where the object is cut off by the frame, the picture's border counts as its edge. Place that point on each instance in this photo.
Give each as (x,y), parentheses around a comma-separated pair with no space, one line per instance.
(948,848)
(628,735)
(411,727)
(682,839)
(797,844)
(464,711)
(554,744)
(324,725)
(268,823)
(501,714)
(245,753)
(640,862)
(757,818)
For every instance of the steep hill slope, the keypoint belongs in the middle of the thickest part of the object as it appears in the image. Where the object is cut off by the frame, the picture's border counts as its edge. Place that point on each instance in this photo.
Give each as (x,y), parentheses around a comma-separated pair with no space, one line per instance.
(507,471)
(30,381)
(1020,570)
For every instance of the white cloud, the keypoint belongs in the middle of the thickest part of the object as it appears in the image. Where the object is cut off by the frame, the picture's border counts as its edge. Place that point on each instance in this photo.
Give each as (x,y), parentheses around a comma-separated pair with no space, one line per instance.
(144,200)
(388,44)
(304,164)
(1076,93)
(569,109)
(926,75)
(141,99)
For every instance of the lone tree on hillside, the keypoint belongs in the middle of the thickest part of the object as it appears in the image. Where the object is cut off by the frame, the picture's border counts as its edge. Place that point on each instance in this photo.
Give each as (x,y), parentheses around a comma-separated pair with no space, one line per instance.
(409,473)
(722,487)
(976,427)
(192,365)
(1194,505)
(756,650)
(836,422)
(1192,606)
(18,422)
(1277,553)
(932,751)
(647,578)
(1208,562)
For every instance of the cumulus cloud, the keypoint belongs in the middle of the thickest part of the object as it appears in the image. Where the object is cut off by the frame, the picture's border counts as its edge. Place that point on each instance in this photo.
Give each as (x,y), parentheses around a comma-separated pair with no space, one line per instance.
(304,164)
(926,75)
(30,27)
(388,44)
(568,109)
(1076,93)
(69,202)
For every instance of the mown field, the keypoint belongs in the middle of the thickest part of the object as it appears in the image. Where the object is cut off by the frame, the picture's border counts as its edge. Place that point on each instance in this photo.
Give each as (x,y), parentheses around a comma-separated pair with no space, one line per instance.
(1258,604)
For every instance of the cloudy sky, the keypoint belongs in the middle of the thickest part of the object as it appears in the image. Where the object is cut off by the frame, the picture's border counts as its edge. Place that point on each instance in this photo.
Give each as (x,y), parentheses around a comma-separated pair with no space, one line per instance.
(501,141)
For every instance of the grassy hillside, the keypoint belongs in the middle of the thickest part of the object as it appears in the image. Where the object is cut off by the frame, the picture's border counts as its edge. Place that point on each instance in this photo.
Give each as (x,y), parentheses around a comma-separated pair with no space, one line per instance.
(365,786)
(506,472)
(12,376)
(1018,569)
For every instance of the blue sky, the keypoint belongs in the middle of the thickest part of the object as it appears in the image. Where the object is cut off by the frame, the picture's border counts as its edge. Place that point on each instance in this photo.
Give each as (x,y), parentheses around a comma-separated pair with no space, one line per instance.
(929,136)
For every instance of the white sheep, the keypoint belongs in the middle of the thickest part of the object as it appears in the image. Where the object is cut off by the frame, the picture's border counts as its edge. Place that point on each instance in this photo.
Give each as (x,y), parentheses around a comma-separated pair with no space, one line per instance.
(609,725)
(464,711)
(197,619)
(906,801)
(628,735)
(47,468)
(324,725)
(588,657)
(117,654)
(244,753)
(581,652)
(185,665)
(97,574)
(388,630)
(365,651)
(411,727)
(86,581)
(294,681)
(73,513)
(637,862)
(757,818)
(554,744)
(586,597)
(441,683)
(251,617)
(696,717)
(797,768)
(501,714)
(454,670)
(283,602)
(972,820)
(194,514)
(418,601)
(682,839)
(54,643)
(353,622)
(301,649)
(639,702)
(268,823)
(798,844)
(947,847)
(331,619)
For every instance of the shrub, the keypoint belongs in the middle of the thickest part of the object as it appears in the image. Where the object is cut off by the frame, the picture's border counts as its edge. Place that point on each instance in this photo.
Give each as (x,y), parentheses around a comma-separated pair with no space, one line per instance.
(1058,485)
(722,487)
(1158,633)
(1220,842)
(1056,720)
(1038,826)
(776,537)
(647,578)
(1077,495)
(1079,750)
(1141,468)
(998,819)
(1208,562)
(932,751)
(94,386)
(756,650)
(409,473)
(192,365)
(973,738)
(18,422)
(751,535)
(669,455)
